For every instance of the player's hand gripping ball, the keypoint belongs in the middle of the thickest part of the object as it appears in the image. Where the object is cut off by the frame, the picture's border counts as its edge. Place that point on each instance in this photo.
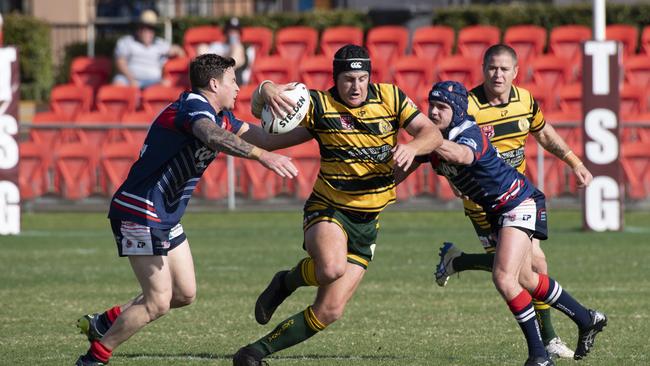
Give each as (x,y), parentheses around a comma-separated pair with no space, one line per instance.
(300,96)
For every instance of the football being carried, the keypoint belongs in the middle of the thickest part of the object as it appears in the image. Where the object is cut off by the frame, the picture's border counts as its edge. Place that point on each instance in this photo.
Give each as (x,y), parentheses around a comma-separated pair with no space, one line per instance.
(273,124)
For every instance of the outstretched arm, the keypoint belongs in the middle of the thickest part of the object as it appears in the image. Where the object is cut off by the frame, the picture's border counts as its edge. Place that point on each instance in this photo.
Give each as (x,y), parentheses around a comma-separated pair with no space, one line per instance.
(552,142)
(257,136)
(219,139)
(426,138)
(455,153)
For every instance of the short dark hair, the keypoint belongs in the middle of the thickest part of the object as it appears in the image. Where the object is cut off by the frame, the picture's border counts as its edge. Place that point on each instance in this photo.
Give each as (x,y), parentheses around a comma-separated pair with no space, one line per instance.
(499,49)
(206,67)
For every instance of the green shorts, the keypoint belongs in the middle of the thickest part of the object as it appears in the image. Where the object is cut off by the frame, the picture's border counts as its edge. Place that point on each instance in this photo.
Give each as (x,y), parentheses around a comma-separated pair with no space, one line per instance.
(360,228)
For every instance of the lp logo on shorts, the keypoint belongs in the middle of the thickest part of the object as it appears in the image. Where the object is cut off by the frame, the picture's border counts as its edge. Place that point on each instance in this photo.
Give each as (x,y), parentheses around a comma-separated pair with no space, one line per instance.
(355,65)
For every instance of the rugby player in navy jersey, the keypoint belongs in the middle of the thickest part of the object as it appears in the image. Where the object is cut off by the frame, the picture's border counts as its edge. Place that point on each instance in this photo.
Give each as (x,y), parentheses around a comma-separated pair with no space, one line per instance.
(516,212)
(508,114)
(146,210)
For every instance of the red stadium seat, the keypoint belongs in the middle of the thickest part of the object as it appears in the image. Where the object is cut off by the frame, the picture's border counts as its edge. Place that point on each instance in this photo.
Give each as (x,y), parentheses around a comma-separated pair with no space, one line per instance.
(89,71)
(204,34)
(45,130)
(433,42)
(296,43)
(214,182)
(637,71)
(626,34)
(461,69)
(527,40)
(380,72)
(555,179)
(636,130)
(157,97)
(316,72)
(75,168)
(176,72)
(566,41)
(115,162)
(261,38)
(474,40)
(117,100)
(635,162)
(306,157)
(334,38)
(274,68)
(243,103)
(545,98)
(139,122)
(634,102)
(68,100)
(551,71)
(34,172)
(645,41)
(257,182)
(571,101)
(96,131)
(411,74)
(387,43)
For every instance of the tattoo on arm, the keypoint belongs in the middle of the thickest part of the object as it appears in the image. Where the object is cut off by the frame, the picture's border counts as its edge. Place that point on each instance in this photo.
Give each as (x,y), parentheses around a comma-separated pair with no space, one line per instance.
(552,142)
(219,139)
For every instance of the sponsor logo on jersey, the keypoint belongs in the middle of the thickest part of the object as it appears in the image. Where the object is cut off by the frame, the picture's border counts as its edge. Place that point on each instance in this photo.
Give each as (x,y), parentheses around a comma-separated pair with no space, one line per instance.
(385,127)
(524,124)
(347,122)
(488,131)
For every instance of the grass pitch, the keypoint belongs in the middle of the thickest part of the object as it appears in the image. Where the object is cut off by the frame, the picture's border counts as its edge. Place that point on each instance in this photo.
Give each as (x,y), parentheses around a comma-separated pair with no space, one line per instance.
(65,265)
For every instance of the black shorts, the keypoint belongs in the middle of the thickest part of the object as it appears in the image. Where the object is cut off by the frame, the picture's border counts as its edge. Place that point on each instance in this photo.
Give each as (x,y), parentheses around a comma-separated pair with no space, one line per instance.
(136,239)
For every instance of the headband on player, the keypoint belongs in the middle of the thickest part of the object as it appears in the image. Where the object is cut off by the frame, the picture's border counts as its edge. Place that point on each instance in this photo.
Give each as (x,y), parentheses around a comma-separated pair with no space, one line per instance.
(351,58)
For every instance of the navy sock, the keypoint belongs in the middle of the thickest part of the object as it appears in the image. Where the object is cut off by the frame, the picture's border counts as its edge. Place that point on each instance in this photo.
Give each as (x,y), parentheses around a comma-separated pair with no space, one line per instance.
(522,308)
(550,292)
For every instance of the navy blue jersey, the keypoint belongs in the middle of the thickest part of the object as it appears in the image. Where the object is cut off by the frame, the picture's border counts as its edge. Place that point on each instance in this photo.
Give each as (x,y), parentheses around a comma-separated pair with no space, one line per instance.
(160,183)
(488,180)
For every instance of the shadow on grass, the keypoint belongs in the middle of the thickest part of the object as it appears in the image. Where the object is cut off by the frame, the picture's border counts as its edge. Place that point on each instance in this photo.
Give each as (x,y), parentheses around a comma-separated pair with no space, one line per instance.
(217,356)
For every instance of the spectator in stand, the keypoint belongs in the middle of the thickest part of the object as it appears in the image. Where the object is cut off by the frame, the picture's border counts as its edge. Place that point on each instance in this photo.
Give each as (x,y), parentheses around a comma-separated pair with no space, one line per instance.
(140,57)
(234,48)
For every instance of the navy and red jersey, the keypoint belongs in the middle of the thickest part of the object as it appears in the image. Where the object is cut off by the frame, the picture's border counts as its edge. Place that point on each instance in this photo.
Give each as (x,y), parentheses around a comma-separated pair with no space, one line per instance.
(488,180)
(160,183)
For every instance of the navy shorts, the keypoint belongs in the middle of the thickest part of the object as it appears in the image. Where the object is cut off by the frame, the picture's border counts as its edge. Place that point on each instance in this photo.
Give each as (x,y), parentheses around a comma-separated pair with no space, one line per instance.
(136,239)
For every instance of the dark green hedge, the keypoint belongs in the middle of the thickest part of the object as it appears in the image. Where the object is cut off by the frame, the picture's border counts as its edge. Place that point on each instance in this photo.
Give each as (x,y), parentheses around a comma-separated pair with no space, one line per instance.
(32,38)
(545,15)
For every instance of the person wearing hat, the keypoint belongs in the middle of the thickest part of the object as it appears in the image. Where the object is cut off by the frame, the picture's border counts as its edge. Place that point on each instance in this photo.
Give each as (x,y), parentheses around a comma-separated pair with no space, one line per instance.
(516,213)
(356,125)
(234,48)
(140,57)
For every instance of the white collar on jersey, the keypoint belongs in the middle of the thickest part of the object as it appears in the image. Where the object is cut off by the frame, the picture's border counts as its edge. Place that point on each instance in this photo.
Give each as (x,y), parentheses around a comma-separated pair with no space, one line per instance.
(454,132)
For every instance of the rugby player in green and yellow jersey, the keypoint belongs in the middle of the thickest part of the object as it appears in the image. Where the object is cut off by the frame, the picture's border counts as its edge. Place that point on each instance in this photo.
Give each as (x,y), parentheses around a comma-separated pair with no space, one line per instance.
(508,114)
(355,124)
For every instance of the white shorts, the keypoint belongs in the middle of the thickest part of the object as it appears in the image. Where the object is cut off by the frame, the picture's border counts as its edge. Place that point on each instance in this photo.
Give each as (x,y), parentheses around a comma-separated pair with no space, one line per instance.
(530,216)
(136,239)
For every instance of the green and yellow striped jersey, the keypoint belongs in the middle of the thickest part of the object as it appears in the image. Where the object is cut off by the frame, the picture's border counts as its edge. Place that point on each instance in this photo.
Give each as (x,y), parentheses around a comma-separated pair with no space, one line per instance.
(356,171)
(507,125)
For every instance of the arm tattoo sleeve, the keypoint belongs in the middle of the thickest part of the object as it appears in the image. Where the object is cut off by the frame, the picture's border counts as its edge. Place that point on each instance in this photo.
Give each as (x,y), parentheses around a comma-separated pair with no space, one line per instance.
(219,139)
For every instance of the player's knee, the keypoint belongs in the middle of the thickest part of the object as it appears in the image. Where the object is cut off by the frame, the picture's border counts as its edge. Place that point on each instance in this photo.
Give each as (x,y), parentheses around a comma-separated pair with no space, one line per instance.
(157,306)
(539,264)
(528,280)
(502,279)
(330,272)
(183,299)
(330,313)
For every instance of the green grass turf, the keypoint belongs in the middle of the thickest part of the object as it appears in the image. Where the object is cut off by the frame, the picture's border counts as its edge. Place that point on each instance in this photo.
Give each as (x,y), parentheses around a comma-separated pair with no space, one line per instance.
(65,265)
